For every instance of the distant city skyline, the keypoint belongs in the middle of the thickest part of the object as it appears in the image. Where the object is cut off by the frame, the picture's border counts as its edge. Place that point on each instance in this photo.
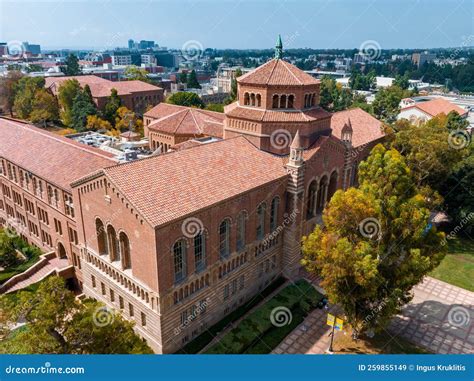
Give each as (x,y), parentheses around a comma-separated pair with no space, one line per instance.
(240,24)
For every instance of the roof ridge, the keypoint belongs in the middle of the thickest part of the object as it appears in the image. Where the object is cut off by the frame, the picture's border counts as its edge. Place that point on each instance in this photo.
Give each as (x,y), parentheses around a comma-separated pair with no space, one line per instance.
(185,113)
(288,69)
(273,70)
(195,121)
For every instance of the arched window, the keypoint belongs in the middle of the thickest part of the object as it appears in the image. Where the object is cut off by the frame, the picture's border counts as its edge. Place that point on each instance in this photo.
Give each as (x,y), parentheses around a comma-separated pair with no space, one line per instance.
(313,99)
(200,251)
(125,251)
(61,251)
(246,99)
(259,100)
(283,101)
(275,101)
(261,221)
(311,200)
(179,260)
(274,214)
(291,101)
(224,238)
(323,187)
(306,100)
(101,237)
(252,99)
(113,248)
(241,225)
(332,187)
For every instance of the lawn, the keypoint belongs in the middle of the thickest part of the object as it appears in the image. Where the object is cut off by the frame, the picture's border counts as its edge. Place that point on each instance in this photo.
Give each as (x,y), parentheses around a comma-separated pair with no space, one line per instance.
(205,338)
(256,334)
(381,343)
(457,268)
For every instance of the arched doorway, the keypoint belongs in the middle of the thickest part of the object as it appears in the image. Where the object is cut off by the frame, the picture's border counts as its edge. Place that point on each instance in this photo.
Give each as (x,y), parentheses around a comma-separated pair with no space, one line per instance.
(323,189)
(61,251)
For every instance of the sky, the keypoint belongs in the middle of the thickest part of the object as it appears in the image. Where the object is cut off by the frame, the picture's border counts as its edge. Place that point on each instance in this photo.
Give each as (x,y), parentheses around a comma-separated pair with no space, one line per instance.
(240,24)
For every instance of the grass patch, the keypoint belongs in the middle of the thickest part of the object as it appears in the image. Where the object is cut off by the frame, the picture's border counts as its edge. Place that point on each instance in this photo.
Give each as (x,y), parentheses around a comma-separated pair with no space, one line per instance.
(206,337)
(381,343)
(257,334)
(457,267)
(13,296)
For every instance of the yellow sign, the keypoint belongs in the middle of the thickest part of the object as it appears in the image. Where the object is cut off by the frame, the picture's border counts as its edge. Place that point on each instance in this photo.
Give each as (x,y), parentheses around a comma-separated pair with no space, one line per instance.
(331,319)
(339,323)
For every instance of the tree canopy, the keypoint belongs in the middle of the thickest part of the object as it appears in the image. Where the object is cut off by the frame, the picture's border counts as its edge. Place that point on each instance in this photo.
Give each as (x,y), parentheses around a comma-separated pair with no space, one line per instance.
(192,81)
(134,73)
(67,92)
(83,106)
(8,89)
(185,98)
(333,97)
(376,243)
(56,322)
(72,66)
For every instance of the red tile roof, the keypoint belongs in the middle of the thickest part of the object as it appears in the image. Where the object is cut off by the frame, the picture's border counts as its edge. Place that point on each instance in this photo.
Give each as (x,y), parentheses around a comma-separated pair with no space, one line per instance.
(101,87)
(186,121)
(263,115)
(365,128)
(54,158)
(196,177)
(277,72)
(437,106)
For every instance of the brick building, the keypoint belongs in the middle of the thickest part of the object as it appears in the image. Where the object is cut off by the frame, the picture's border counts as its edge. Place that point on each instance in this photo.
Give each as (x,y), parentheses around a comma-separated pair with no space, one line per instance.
(135,95)
(35,186)
(179,240)
(167,125)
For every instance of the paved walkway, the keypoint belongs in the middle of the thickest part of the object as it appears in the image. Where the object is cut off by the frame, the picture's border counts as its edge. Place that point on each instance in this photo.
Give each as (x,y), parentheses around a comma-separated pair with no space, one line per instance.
(53,265)
(440,318)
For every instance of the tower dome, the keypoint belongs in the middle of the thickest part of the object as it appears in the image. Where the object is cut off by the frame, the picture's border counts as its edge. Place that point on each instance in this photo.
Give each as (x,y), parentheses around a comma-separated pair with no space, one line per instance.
(277,98)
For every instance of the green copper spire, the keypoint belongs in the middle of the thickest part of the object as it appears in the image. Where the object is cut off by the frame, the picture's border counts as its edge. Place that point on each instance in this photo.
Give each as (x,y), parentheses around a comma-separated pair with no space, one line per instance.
(279,49)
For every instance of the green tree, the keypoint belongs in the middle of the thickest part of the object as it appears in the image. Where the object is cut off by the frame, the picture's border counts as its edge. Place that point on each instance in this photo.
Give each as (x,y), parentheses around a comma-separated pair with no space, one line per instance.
(112,105)
(45,107)
(375,245)
(234,87)
(82,107)
(56,322)
(359,81)
(67,92)
(192,81)
(458,195)
(428,150)
(387,103)
(8,247)
(25,95)
(402,81)
(72,66)
(134,73)
(456,122)
(8,89)
(333,97)
(184,98)
(183,77)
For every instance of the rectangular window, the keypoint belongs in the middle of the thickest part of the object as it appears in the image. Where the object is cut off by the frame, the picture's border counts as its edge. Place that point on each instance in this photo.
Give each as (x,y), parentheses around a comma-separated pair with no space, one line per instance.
(102,286)
(143,318)
(242,282)
(130,309)
(184,317)
(112,295)
(226,292)
(93,281)
(121,302)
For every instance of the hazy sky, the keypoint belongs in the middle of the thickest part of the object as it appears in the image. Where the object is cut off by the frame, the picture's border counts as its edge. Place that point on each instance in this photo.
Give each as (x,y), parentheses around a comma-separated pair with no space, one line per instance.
(240,23)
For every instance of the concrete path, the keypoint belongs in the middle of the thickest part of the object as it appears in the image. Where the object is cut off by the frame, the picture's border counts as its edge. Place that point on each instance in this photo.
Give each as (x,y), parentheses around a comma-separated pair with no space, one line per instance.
(440,318)
(53,265)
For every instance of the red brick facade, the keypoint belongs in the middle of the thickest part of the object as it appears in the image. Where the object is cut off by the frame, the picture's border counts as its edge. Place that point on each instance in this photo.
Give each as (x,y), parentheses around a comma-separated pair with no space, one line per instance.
(177,241)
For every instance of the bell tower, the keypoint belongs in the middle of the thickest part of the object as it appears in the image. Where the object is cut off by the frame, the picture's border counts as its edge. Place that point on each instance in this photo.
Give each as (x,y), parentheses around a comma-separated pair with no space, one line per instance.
(294,212)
